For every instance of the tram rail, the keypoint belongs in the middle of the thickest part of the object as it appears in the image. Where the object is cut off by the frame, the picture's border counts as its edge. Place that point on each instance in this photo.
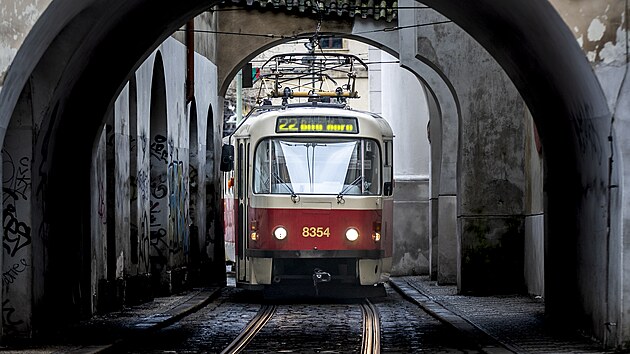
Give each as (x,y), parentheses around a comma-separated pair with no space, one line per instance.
(371,342)
(254,326)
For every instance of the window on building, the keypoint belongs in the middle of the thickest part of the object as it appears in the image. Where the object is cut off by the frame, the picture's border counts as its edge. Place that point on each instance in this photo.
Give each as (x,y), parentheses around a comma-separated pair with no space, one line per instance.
(331,43)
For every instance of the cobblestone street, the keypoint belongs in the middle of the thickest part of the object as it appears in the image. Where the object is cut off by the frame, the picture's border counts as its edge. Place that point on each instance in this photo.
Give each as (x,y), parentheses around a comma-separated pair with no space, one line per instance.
(416,316)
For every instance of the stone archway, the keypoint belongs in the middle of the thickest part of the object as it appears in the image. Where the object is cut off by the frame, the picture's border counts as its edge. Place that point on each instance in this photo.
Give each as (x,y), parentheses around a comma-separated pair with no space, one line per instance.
(65,57)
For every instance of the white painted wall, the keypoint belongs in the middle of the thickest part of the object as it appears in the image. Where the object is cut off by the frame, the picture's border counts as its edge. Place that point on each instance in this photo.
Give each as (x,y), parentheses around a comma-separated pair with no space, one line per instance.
(397,95)
(404,106)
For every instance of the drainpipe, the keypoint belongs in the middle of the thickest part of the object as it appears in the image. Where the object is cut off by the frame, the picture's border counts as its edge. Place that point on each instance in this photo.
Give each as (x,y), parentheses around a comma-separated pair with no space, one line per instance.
(190,60)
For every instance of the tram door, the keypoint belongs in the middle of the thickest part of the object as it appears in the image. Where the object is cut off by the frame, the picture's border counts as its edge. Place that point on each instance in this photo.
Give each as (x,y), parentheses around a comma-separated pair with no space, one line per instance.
(242,176)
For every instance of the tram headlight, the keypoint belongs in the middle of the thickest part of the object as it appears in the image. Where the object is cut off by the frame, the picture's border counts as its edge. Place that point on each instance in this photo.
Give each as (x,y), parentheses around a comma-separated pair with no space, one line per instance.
(352,234)
(280,233)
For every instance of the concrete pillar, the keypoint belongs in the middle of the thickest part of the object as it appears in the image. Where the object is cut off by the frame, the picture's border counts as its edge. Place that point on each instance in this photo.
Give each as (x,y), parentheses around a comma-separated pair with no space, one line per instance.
(122,192)
(482,173)
(405,108)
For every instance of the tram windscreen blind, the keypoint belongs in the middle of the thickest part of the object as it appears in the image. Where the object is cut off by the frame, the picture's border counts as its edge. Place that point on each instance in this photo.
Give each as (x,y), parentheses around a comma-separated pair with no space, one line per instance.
(317,124)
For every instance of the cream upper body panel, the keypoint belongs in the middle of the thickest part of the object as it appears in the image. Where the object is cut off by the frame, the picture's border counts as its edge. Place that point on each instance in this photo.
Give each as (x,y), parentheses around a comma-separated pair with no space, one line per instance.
(323,202)
(263,124)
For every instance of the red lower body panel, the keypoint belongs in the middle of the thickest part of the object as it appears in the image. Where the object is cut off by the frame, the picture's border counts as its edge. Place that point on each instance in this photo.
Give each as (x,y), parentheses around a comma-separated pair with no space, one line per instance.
(316,229)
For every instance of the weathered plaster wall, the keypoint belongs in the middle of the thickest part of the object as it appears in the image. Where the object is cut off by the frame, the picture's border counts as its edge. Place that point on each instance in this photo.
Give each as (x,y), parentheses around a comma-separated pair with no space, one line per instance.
(209,125)
(19,237)
(23,260)
(176,147)
(122,184)
(205,26)
(98,247)
(491,175)
(534,252)
(444,118)
(404,107)
(170,240)
(17,19)
(601,29)
(144,78)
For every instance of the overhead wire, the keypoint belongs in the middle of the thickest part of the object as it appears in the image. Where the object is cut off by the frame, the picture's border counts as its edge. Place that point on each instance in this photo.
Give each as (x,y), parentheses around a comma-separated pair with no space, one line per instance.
(282,36)
(249,8)
(367,63)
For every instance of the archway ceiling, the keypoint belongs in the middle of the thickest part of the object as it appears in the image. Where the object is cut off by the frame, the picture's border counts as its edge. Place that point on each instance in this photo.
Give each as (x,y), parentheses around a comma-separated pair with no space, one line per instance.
(379,10)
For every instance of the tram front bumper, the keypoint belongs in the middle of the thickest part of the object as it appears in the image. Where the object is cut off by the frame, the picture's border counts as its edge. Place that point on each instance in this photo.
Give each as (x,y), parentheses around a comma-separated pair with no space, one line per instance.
(362,267)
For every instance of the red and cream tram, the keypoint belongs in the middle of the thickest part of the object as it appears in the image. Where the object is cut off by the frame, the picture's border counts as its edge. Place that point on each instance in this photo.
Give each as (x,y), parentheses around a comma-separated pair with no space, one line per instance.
(308,199)
(308,186)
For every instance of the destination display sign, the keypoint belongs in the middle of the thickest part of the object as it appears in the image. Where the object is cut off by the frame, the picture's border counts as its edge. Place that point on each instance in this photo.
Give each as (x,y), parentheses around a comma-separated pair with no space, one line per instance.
(317,124)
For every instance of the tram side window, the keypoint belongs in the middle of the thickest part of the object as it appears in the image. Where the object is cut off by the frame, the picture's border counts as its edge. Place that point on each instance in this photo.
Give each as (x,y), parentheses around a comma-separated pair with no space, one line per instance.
(388,170)
(351,185)
(262,178)
(363,171)
(239,185)
(270,169)
(372,168)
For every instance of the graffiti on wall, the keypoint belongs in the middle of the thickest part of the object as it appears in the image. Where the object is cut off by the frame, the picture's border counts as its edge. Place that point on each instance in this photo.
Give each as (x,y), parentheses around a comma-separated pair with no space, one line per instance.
(145,242)
(143,185)
(16,243)
(179,205)
(158,149)
(194,189)
(16,187)
(192,210)
(11,275)
(169,211)
(159,240)
(10,317)
(17,178)
(144,226)
(17,234)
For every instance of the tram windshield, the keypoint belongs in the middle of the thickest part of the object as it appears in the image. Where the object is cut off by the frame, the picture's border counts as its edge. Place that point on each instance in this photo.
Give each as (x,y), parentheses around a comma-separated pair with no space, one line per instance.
(322,166)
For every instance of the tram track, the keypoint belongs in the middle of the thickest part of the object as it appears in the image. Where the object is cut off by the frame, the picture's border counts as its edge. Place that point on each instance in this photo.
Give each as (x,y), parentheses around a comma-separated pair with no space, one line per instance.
(254,326)
(371,342)
(240,323)
(370,334)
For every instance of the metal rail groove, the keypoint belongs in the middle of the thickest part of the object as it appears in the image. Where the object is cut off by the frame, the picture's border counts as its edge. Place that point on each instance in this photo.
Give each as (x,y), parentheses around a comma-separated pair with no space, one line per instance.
(371,343)
(249,332)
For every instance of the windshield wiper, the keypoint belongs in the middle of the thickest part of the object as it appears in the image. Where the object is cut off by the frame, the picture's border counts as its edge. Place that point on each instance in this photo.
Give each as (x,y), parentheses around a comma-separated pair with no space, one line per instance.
(294,197)
(346,188)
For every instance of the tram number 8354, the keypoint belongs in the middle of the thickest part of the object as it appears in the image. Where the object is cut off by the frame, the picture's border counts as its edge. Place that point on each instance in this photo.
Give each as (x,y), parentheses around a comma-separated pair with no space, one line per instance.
(315,231)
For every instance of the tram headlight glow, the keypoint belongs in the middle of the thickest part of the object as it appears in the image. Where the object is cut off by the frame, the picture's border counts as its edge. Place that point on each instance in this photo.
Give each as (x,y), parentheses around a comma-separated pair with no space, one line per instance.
(352,234)
(280,233)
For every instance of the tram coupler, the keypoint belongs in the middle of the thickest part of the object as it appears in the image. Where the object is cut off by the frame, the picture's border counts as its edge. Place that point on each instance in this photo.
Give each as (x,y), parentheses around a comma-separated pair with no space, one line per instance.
(319,276)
